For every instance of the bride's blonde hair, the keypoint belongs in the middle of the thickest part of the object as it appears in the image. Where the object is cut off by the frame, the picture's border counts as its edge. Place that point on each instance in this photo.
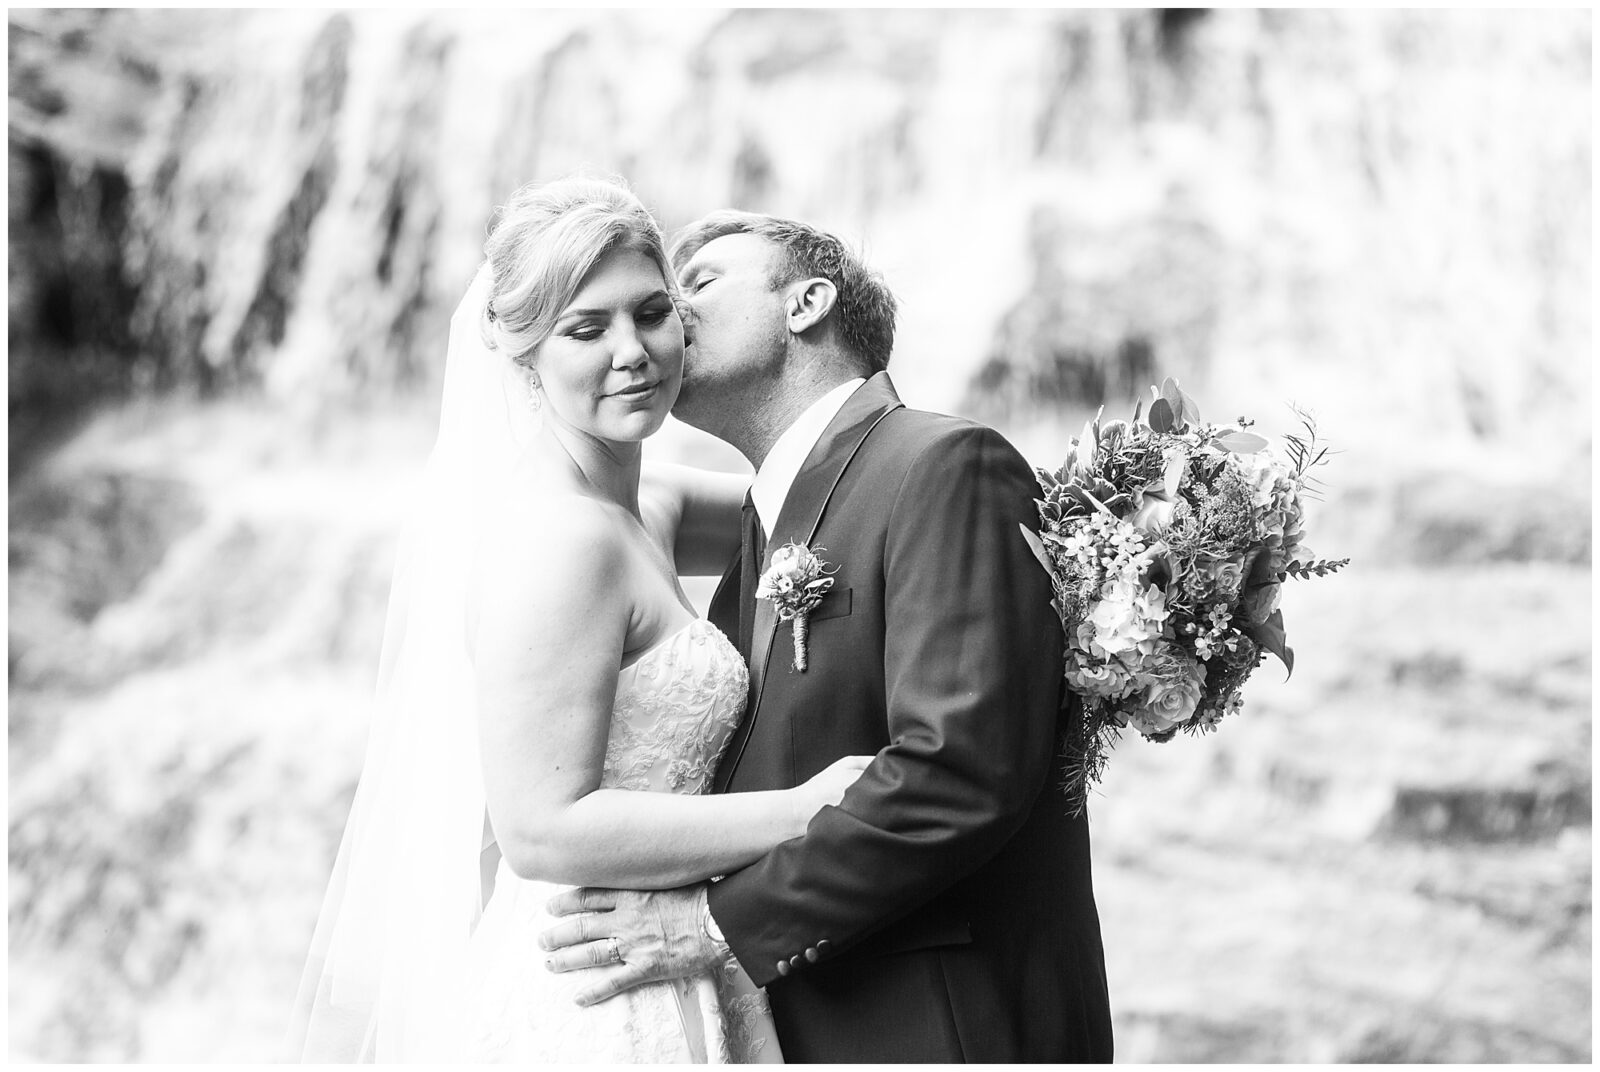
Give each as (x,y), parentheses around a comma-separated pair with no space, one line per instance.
(545,241)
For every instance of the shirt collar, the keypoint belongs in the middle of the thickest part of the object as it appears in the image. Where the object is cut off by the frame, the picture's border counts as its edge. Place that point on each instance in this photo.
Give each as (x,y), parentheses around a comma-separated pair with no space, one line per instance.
(784,461)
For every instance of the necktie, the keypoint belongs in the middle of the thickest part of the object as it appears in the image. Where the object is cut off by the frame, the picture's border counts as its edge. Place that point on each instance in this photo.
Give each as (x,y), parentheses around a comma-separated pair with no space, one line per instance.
(752,548)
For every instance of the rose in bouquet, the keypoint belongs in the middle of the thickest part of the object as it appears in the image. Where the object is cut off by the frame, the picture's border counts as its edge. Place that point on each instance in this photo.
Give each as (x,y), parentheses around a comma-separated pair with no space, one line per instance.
(1168,541)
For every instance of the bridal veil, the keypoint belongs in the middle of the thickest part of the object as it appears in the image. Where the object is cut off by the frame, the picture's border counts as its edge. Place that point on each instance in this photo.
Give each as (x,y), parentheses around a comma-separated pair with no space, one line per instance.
(405,891)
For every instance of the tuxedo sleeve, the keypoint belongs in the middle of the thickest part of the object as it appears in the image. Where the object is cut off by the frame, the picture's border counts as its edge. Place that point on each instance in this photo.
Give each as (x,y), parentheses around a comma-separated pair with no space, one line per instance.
(972,678)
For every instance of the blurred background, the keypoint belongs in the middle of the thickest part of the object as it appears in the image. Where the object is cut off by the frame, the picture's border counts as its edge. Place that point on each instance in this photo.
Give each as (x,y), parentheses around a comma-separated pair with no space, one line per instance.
(235,241)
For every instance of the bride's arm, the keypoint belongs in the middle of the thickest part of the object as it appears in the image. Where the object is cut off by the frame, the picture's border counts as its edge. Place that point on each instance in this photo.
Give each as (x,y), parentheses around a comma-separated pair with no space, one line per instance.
(702,511)
(554,617)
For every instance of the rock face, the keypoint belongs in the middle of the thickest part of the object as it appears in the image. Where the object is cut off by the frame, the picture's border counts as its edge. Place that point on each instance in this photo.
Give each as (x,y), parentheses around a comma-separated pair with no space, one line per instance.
(1384,216)
(1071,202)
(74,125)
(223,244)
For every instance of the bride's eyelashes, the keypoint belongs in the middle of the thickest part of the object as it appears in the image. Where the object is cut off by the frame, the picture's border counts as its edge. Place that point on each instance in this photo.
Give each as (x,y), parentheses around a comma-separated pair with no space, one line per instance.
(589,331)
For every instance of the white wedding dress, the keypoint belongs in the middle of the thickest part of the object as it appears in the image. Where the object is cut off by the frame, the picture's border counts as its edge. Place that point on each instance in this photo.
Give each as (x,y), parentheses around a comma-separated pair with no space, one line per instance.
(676,707)
(407,962)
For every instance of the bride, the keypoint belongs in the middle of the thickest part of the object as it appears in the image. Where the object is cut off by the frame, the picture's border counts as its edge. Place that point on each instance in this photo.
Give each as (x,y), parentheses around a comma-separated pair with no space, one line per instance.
(549,709)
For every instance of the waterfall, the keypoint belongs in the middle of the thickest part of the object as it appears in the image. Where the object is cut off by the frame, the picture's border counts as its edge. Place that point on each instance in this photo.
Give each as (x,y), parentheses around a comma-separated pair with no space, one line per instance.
(235,240)
(1068,201)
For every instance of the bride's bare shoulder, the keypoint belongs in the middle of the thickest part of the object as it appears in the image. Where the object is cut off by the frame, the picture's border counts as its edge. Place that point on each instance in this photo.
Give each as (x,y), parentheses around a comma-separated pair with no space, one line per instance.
(555,523)
(553,569)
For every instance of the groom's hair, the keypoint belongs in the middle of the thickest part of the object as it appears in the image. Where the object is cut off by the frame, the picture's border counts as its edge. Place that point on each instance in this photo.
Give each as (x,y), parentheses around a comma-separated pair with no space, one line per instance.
(864,310)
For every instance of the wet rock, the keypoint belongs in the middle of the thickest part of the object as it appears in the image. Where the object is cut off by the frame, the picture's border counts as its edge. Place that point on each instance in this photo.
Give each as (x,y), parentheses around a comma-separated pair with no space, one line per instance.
(1441,1040)
(78,544)
(1199,1038)
(79,95)
(1478,813)
(221,238)
(1107,309)
(1452,518)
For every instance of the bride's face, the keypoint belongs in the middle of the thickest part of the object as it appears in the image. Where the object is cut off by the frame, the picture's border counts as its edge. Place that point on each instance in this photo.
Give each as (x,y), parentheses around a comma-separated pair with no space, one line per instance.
(612,366)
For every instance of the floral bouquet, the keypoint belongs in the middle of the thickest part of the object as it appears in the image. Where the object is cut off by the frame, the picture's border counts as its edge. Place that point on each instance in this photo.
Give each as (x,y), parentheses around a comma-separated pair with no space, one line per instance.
(1168,541)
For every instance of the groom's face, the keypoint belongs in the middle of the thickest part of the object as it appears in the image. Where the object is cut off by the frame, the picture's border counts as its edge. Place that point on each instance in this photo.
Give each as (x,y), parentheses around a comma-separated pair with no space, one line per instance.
(735,335)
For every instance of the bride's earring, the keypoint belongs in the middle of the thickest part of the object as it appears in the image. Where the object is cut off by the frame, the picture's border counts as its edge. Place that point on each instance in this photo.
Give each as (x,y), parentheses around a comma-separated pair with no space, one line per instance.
(533,390)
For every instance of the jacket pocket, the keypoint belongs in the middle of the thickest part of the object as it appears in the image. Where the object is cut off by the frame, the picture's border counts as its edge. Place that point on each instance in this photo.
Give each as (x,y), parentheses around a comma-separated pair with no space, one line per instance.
(835,604)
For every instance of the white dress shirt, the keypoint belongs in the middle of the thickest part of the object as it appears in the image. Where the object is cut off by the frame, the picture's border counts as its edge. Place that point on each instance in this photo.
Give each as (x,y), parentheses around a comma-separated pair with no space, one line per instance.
(782,464)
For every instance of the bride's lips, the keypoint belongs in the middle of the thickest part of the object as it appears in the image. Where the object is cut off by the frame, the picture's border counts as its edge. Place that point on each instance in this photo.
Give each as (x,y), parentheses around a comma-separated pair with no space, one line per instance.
(637,391)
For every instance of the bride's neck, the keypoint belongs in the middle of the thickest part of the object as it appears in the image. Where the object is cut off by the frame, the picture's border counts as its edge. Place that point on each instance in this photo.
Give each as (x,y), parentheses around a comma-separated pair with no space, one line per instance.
(610,468)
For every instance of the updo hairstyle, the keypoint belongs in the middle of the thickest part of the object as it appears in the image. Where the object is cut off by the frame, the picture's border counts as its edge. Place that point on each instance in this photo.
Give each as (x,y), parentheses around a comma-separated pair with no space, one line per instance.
(544,242)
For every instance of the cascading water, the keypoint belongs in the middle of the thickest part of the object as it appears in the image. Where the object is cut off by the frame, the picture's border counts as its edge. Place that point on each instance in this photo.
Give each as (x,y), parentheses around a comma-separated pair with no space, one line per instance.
(236,238)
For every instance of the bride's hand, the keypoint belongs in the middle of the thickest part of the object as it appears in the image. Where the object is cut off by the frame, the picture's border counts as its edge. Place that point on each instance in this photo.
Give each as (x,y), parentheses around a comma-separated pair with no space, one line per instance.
(825,787)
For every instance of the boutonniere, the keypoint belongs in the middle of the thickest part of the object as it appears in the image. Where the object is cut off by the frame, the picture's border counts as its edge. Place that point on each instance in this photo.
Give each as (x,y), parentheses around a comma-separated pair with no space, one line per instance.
(796,582)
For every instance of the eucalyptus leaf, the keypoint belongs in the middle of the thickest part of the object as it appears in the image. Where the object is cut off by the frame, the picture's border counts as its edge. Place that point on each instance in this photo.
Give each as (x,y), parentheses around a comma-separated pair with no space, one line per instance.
(1240,442)
(1174,397)
(1174,474)
(1161,416)
(1191,411)
(1036,545)
(1271,636)
(1090,501)
(1260,572)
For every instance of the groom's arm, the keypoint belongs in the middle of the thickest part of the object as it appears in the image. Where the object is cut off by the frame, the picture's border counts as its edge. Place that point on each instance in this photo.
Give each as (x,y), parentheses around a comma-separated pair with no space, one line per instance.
(972,660)
(700,509)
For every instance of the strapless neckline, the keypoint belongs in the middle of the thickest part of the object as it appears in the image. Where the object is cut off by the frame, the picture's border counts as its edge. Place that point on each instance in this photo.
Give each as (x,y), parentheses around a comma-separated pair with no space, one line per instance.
(692,625)
(676,707)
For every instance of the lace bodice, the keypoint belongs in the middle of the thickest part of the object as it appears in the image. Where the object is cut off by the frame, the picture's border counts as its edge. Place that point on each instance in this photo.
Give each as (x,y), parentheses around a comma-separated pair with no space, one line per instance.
(676,708)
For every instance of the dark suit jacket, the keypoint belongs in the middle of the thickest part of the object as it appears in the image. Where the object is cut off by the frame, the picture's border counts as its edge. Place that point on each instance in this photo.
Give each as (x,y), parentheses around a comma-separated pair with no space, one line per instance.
(943,911)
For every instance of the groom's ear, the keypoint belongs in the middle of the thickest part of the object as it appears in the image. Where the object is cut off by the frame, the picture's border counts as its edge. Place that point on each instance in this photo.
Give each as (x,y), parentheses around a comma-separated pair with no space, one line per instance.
(809,304)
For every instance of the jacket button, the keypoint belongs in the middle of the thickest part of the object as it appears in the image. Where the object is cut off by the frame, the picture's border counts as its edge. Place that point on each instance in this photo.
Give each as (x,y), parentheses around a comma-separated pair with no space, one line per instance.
(783,967)
(823,946)
(794,961)
(812,956)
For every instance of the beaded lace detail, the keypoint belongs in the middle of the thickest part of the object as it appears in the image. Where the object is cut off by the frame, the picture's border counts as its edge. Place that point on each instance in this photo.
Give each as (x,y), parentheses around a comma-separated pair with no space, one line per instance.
(675,710)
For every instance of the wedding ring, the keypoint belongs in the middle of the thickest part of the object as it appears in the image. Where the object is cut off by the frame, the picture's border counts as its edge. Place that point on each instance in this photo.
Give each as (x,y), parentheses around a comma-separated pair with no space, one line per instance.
(616,950)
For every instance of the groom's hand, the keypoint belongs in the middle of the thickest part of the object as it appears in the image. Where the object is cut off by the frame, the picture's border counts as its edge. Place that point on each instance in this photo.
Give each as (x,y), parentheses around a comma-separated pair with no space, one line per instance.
(658,934)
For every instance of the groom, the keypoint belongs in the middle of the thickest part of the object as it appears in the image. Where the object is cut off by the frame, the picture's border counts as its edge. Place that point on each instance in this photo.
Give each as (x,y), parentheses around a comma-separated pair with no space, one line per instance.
(943,912)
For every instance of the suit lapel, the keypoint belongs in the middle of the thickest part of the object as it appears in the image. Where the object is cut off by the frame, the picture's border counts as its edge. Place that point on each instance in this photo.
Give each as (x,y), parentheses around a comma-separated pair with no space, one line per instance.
(798,520)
